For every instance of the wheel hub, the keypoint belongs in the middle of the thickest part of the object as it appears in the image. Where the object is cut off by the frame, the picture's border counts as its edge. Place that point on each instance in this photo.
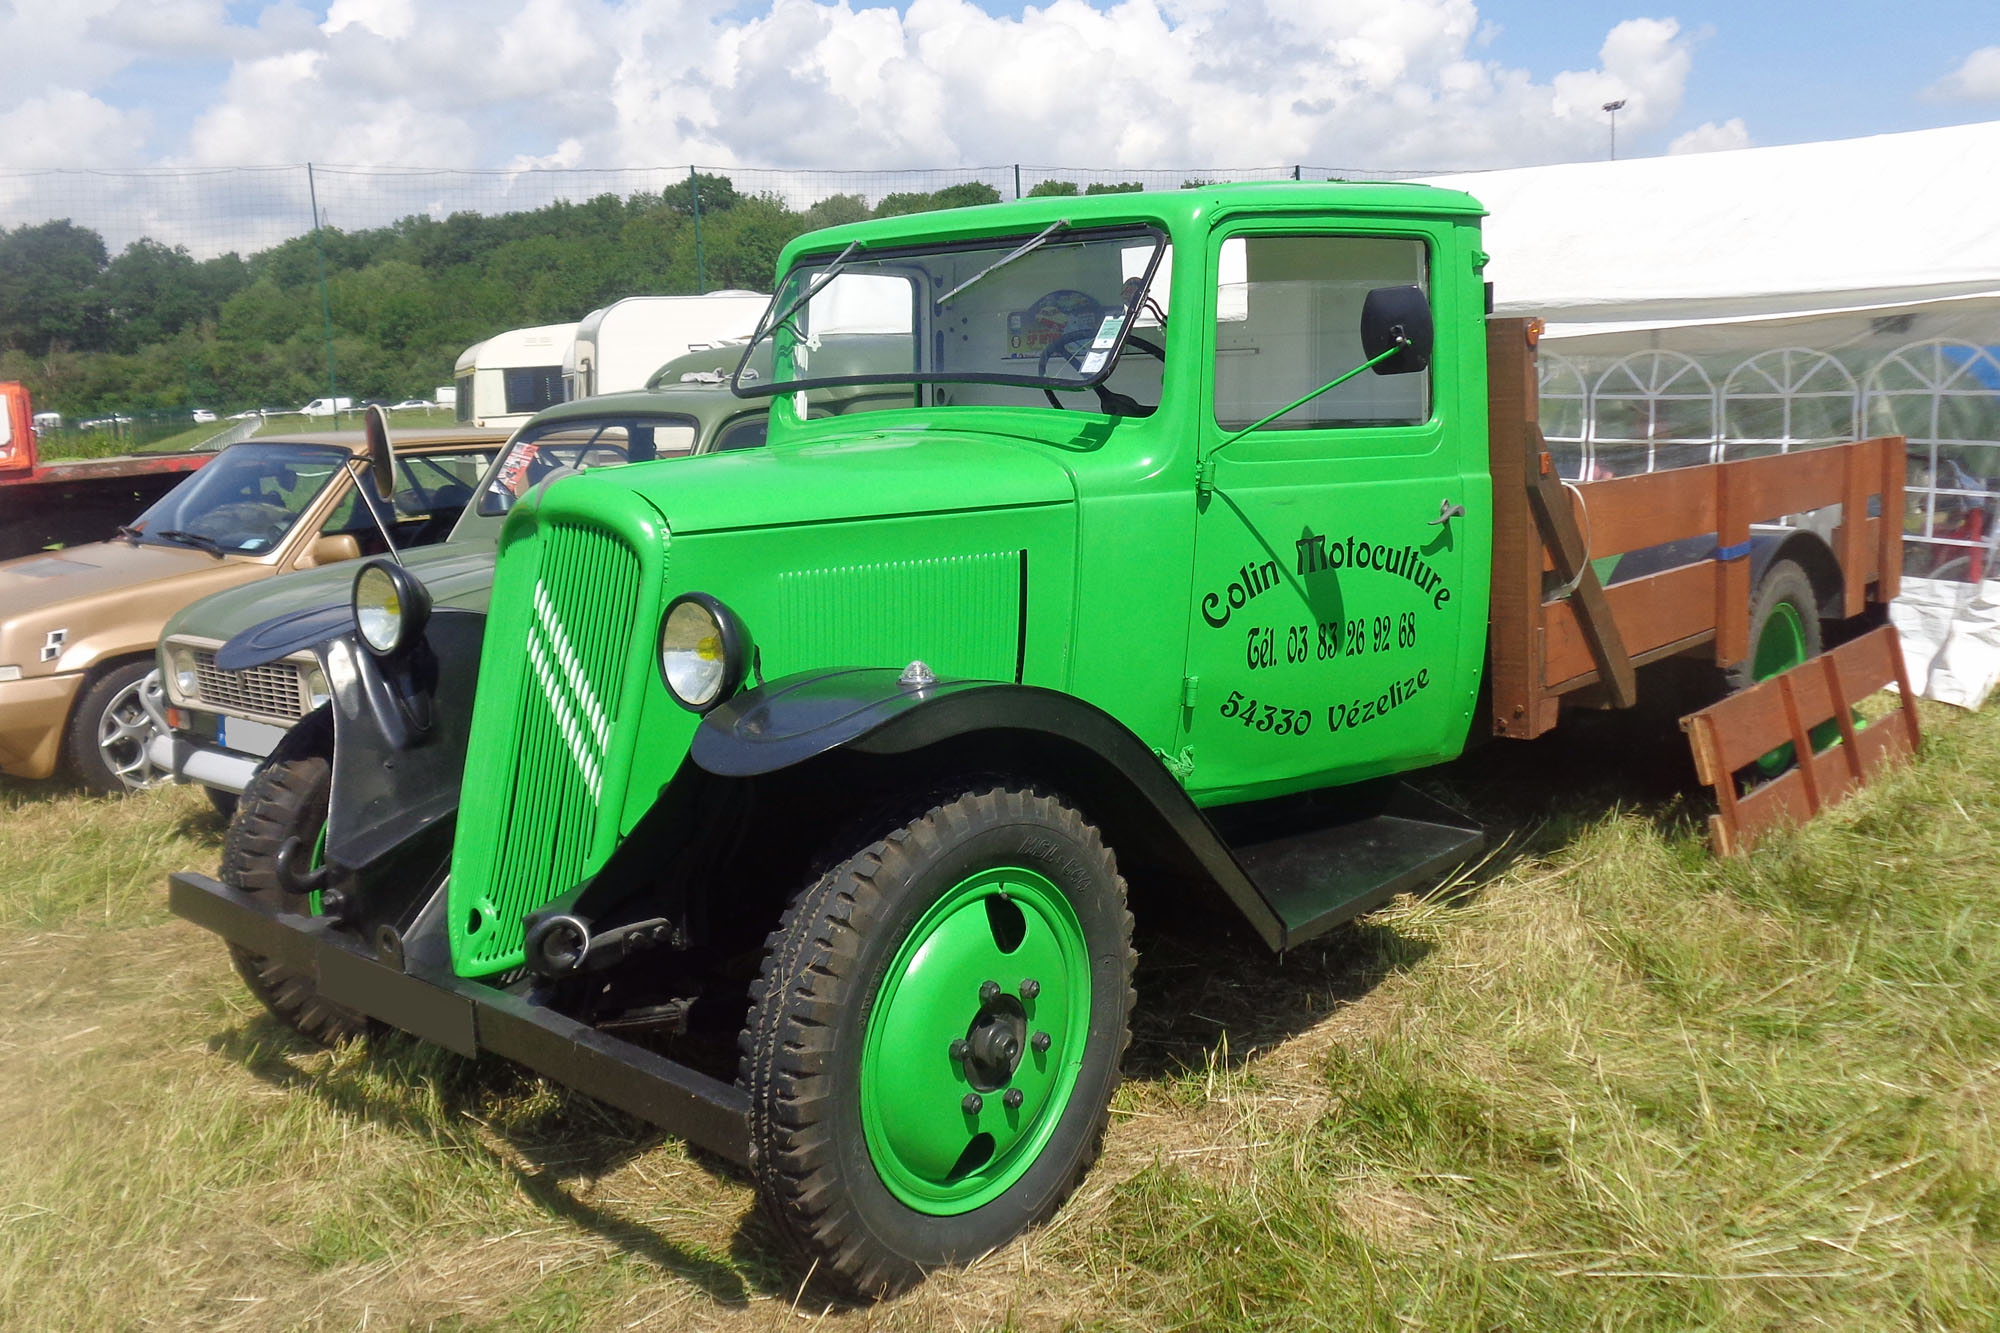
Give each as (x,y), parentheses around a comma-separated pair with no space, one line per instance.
(995,1043)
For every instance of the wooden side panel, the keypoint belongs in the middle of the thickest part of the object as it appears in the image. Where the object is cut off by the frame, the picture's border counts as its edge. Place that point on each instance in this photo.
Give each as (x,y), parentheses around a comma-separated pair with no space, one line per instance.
(1652,612)
(1732,735)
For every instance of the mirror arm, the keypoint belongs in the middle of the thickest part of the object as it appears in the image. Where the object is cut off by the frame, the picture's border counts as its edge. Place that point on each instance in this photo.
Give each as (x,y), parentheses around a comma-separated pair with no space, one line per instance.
(368,502)
(1401,342)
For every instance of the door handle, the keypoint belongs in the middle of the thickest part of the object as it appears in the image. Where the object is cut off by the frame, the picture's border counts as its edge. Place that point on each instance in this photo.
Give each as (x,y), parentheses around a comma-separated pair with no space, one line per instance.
(1447,511)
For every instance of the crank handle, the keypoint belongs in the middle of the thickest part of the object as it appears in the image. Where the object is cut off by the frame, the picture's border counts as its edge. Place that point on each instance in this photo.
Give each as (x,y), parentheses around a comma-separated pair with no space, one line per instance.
(1447,511)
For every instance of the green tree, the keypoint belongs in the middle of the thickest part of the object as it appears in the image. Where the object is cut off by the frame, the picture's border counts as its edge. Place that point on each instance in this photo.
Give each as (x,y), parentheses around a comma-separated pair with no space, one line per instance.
(48,287)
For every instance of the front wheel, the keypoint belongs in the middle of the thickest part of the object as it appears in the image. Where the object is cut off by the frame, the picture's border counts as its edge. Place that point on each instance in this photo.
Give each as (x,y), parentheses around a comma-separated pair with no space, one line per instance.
(110,730)
(287,799)
(933,1044)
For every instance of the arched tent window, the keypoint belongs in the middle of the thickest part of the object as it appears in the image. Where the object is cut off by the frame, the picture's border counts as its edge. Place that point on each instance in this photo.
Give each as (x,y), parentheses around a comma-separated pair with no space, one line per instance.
(1651,411)
(1944,397)
(1564,413)
(1788,398)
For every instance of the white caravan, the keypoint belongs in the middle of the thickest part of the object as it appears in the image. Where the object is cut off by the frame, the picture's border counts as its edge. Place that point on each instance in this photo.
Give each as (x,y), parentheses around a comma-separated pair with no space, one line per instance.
(513,375)
(620,346)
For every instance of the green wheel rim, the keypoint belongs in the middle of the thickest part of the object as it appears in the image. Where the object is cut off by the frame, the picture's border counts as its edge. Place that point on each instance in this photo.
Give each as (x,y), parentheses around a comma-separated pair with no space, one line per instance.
(936,1080)
(1780,647)
(318,860)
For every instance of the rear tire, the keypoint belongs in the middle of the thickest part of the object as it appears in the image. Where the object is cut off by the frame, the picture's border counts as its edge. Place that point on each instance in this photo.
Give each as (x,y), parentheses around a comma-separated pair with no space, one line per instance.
(904,1113)
(286,799)
(1784,625)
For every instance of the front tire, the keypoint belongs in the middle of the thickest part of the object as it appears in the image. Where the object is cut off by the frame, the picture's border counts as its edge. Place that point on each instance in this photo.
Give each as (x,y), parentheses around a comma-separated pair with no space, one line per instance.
(286,799)
(933,1044)
(109,732)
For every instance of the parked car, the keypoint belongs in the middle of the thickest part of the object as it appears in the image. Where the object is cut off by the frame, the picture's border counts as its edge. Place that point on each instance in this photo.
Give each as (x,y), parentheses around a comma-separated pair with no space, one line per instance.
(202,416)
(410,405)
(326,407)
(79,627)
(222,724)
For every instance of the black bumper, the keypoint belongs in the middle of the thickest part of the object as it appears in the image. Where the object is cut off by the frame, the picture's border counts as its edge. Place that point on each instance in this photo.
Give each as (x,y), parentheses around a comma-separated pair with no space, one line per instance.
(468,1017)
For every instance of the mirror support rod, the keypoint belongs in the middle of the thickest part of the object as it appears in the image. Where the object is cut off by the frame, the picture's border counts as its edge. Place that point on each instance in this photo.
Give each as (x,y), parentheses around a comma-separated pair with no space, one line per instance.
(368,502)
(1208,463)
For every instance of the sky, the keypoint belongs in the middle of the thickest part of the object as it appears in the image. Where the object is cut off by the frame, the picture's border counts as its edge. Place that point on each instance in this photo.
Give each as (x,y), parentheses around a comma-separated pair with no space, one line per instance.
(1394,85)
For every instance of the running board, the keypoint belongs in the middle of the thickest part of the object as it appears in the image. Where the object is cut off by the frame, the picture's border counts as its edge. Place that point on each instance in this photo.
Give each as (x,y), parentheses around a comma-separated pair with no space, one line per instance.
(1319,862)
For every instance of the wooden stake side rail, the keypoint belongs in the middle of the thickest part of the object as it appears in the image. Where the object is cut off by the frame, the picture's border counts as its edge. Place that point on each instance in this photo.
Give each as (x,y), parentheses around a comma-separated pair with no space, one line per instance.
(1542,650)
(1731,735)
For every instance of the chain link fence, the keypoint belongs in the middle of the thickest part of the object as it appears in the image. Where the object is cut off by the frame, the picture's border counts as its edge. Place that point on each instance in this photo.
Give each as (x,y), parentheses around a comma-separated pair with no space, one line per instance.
(248,209)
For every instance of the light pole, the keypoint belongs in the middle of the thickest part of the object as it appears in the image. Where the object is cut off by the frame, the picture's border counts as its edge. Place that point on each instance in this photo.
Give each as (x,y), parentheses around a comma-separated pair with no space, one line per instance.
(1613,108)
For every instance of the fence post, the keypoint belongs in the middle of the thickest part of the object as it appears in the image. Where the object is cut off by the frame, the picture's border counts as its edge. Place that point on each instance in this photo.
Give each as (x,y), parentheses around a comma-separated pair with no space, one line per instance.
(1295,173)
(325,307)
(700,269)
(1017,180)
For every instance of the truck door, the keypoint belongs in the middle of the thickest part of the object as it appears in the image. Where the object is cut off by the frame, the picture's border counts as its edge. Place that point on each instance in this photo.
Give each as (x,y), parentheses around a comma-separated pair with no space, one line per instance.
(1336,627)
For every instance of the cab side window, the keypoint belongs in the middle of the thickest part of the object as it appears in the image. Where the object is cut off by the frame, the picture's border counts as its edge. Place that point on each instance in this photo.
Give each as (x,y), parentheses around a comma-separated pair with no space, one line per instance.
(1288,319)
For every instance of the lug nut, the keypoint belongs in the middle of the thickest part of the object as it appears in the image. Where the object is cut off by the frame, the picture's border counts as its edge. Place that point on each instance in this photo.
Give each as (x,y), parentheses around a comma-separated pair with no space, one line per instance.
(960,1049)
(1012,1099)
(989,991)
(1030,989)
(972,1103)
(1040,1041)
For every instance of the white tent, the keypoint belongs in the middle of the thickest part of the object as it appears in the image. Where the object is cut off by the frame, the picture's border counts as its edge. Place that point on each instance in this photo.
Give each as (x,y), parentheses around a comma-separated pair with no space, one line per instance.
(1765,299)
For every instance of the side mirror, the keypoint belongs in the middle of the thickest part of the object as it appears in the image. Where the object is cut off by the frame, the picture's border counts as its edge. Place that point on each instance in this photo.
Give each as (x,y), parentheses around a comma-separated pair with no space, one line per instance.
(330,548)
(381,454)
(1397,317)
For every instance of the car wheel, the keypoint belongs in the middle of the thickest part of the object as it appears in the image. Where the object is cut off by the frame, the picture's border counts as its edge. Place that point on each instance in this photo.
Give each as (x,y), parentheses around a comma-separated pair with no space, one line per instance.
(287,799)
(110,729)
(1784,631)
(935,1037)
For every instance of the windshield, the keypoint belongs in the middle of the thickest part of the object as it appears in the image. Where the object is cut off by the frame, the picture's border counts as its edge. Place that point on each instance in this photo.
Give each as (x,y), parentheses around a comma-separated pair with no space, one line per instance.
(539,451)
(245,501)
(1041,311)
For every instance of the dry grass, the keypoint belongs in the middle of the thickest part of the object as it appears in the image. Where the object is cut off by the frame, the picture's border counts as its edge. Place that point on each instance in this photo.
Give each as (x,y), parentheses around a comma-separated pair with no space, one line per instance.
(1605,1082)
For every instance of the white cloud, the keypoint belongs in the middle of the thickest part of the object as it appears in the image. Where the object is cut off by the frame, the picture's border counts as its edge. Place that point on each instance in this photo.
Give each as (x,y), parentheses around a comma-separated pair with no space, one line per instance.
(1710,137)
(1977,80)
(72,129)
(1404,84)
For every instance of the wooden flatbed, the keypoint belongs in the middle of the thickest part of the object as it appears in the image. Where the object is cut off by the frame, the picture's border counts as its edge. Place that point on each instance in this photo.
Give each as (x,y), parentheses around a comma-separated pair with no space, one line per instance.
(1552,645)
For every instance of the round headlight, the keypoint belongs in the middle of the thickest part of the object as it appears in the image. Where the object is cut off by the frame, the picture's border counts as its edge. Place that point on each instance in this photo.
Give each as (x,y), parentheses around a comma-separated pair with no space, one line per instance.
(702,649)
(390,607)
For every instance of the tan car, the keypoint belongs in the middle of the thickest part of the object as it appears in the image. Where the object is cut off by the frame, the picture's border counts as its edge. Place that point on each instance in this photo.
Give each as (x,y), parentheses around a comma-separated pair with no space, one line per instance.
(78,626)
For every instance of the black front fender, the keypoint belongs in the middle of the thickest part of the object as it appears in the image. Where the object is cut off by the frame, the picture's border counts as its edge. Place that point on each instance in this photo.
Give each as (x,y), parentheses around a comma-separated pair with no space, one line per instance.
(1064,741)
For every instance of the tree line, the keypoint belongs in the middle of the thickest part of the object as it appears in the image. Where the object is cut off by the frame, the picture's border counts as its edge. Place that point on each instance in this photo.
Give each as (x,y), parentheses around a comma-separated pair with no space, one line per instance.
(154,329)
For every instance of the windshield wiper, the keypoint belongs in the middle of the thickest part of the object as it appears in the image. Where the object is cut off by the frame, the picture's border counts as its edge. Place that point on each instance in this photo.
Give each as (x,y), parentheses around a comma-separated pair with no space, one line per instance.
(194,539)
(1032,243)
(813,289)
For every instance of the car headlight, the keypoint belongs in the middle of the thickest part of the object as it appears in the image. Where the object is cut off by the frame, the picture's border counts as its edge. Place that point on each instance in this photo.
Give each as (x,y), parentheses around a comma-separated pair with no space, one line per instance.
(184,684)
(703,651)
(390,607)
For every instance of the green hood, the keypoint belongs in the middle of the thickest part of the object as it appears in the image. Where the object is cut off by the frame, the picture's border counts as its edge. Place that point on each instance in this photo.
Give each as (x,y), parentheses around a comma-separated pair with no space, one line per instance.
(852,476)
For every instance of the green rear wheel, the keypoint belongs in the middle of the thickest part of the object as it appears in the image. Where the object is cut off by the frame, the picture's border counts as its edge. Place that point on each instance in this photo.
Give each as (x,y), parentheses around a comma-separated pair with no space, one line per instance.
(1784,631)
(932,1046)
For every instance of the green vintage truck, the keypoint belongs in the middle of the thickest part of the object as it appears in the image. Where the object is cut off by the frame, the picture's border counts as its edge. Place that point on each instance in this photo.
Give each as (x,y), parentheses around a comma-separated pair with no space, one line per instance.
(1195,519)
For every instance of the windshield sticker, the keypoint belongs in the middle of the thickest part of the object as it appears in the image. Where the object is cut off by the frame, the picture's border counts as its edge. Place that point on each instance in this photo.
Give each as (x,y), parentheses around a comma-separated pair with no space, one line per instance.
(1107,332)
(1052,319)
(513,473)
(1091,364)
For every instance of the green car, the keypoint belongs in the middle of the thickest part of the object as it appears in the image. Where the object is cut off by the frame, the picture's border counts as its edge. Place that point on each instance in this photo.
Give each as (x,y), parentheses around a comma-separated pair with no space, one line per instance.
(806,794)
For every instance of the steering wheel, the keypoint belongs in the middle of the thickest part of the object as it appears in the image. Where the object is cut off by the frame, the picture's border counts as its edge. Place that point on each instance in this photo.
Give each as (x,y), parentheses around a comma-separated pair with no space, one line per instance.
(249,521)
(1114,403)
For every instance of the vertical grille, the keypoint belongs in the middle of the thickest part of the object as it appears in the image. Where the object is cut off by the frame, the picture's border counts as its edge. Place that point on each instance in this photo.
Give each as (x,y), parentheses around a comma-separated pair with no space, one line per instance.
(579,637)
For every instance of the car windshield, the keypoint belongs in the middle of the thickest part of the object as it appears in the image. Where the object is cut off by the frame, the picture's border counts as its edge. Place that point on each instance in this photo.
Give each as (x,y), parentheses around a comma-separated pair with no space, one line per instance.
(244,502)
(540,451)
(1026,314)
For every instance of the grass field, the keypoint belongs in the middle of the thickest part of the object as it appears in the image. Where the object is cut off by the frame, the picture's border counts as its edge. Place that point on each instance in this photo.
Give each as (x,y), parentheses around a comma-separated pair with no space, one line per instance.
(1603,1082)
